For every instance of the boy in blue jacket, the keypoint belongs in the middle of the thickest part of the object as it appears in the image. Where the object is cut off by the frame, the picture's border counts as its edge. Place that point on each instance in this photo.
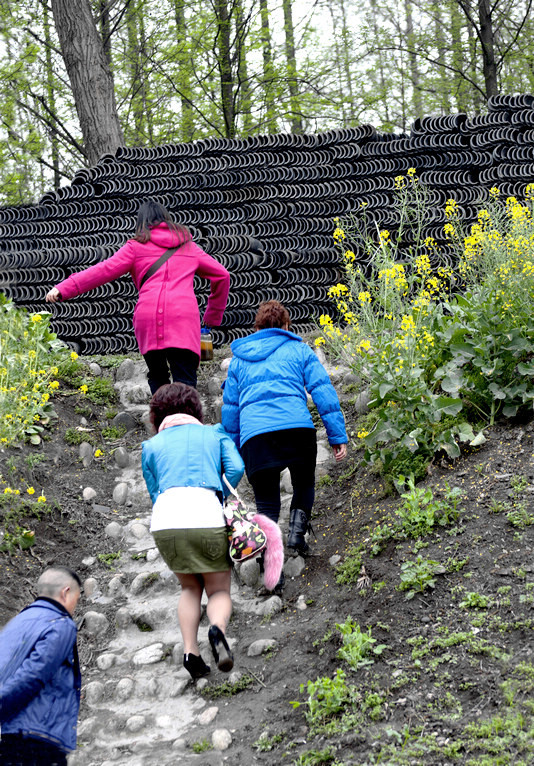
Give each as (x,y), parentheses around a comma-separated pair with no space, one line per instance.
(40,675)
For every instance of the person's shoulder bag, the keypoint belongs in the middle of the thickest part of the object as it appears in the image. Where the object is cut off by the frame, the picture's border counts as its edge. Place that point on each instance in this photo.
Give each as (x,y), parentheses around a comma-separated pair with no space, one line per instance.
(164,257)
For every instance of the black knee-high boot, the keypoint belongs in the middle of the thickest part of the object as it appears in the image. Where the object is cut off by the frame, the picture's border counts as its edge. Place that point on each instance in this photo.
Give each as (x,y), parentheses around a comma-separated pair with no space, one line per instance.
(298,526)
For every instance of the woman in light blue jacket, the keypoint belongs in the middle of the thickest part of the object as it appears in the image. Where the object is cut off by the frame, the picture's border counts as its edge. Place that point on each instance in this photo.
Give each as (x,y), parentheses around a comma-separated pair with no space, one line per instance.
(265,412)
(183,466)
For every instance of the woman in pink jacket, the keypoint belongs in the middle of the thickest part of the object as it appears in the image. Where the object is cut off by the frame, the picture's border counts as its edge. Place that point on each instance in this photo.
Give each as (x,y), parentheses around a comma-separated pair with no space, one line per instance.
(166,318)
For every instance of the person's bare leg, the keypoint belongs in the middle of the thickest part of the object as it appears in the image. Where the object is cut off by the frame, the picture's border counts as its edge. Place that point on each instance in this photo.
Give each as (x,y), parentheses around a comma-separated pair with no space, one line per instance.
(219,609)
(189,610)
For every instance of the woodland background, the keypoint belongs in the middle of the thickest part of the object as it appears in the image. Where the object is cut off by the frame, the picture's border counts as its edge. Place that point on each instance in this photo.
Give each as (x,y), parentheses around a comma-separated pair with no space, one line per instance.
(78,78)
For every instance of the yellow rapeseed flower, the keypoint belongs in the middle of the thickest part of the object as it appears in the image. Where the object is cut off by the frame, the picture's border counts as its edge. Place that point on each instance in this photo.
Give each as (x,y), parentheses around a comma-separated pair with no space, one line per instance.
(73,355)
(362,434)
(319,341)
(30,491)
(36,318)
(41,499)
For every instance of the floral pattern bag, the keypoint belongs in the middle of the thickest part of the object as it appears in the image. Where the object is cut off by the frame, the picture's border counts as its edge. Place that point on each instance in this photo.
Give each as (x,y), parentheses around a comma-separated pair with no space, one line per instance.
(246,539)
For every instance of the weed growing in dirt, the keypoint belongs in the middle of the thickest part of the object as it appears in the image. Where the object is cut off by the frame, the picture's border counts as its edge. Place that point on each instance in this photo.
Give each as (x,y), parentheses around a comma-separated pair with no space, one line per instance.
(202,746)
(77,435)
(112,433)
(264,744)
(474,600)
(108,559)
(418,575)
(316,758)
(358,647)
(227,689)
(326,697)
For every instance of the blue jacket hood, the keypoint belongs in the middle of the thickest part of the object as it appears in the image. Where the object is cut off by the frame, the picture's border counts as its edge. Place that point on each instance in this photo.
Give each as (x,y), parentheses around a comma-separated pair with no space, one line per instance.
(262,343)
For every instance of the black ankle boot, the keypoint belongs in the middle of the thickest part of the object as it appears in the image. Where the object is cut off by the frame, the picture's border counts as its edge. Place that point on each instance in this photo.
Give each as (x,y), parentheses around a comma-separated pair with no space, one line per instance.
(298,526)
(221,651)
(195,666)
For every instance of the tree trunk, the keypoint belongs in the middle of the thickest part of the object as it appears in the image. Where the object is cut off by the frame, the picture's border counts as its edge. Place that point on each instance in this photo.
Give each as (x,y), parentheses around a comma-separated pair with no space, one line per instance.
(268,69)
(90,77)
(245,100)
(487,39)
(184,80)
(51,96)
(412,58)
(296,118)
(444,84)
(224,62)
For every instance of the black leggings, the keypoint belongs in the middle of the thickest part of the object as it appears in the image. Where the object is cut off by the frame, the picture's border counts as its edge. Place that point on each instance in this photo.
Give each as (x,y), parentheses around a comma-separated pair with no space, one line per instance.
(266,486)
(182,363)
(18,751)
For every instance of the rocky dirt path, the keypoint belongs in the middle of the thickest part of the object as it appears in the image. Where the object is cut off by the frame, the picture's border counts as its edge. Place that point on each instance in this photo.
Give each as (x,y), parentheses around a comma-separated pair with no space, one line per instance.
(139,704)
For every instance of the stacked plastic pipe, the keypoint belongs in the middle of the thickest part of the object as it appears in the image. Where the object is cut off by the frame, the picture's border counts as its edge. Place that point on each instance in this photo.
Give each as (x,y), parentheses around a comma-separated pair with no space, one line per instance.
(263,206)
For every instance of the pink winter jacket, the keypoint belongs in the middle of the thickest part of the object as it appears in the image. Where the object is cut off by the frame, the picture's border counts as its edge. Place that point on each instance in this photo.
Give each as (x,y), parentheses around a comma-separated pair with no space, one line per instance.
(166,314)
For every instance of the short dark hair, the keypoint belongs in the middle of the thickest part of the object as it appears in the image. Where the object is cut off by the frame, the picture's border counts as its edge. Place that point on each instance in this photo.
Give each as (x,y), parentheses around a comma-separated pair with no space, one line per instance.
(271,314)
(173,398)
(152,213)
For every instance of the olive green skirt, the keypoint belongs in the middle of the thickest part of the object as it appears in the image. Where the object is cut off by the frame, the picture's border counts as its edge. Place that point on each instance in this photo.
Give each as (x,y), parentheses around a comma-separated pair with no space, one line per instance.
(193,551)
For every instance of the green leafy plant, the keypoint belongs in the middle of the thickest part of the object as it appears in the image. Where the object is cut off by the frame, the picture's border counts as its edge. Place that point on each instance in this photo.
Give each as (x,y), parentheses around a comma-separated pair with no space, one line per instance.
(113,432)
(265,743)
(109,558)
(358,647)
(227,689)
(315,757)
(473,600)
(420,512)
(418,575)
(202,746)
(326,697)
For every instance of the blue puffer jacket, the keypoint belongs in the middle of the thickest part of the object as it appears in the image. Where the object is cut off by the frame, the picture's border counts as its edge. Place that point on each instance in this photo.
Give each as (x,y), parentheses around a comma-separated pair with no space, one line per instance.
(190,455)
(40,675)
(266,388)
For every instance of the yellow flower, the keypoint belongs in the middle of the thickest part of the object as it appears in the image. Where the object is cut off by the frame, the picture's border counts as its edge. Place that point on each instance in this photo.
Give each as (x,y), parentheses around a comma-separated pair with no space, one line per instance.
(362,434)
(364,297)
(41,499)
(400,182)
(73,355)
(54,370)
(98,453)
(411,171)
(339,234)
(451,208)
(31,354)
(83,389)
(349,255)
(54,384)
(324,320)
(319,341)
(8,491)
(36,318)
(494,192)
(384,235)
(30,491)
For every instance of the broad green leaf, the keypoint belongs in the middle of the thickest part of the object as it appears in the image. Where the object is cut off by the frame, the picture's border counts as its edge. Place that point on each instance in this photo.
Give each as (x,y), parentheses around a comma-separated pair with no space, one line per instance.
(478,440)
(448,405)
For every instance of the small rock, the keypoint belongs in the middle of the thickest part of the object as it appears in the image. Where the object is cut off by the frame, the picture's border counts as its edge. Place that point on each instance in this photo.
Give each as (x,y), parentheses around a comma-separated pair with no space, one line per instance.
(94,692)
(361,405)
(142,581)
(294,566)
(123,617)
(179,687)
(285,482)
(122,457)
(179,744)
(249,572)
(138,530)
(95,369)
(261,646)
(135,723)
(149,655)
(88,494)
(320,354)
(138,395)
(106,661)
(105,510)
(225,364)
(124,689)
(207,716)
(217,409)
(120,493)
(178,654)
(334,560)
(152,687)
(95,623)
(86,454)
(126,370)
(145,420)
(214,386)
(116,586)
(235,676)
(323,454)
(271,606)
(350,379)
(301,603)
(90,587)
(124,419)
(88,561)
(113,530)
(221,739)
(152,554)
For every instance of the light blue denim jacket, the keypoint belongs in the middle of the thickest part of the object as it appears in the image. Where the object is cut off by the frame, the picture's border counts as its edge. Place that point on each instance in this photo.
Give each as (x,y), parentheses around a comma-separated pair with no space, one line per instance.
(190,455)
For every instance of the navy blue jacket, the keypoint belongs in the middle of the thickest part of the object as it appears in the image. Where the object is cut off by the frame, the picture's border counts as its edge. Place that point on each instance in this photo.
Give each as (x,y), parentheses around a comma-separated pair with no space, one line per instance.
(40,674)
(190,455)
(266,388)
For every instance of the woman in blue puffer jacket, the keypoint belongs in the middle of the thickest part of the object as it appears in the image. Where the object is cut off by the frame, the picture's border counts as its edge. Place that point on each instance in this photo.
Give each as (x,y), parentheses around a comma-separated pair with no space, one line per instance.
(183,466)
(265,412)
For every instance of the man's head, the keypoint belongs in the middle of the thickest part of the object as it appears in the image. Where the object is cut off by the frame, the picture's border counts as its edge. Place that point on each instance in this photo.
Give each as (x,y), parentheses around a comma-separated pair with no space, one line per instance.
(62,585)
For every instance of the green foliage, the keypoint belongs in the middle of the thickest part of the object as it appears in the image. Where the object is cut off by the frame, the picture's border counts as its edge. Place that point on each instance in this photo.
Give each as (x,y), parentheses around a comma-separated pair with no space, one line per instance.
(77,435)
(29,353)
(202,746)
(315,757)
(227,689)
(326,697)
(265,743)
(442,351)
(474,600)
(421,513)
(20,538)
(108,559)
(113,432)
(418,575)
(358,647)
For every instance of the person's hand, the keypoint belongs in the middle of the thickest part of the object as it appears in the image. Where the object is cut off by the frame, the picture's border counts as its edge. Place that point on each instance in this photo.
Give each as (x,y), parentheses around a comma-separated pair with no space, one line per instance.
(340,451)
(53,295)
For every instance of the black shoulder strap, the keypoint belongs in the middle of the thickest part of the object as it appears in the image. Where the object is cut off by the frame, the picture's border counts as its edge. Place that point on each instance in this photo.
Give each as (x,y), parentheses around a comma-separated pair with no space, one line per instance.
(155,266)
